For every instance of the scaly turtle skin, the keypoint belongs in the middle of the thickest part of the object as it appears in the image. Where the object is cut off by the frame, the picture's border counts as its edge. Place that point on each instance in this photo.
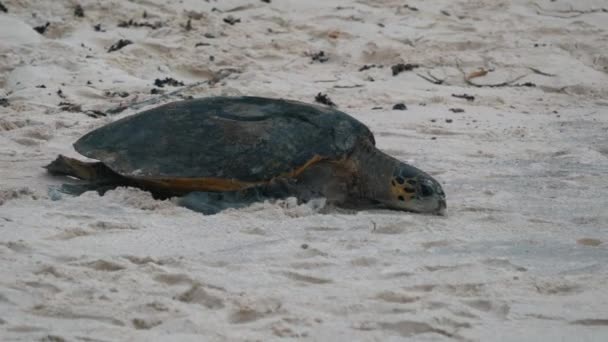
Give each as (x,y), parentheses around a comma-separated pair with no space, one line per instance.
(229,151)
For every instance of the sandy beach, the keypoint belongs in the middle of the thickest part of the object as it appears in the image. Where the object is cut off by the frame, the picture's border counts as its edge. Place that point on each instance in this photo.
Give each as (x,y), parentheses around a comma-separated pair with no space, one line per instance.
(506,104)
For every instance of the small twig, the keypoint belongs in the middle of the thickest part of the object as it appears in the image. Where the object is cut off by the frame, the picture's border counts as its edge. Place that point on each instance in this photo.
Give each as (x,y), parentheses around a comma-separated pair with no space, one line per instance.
(239,8)
(431,78)
(536,71)
(495,85)
(464,96)
(560,90)
(571,13)
(478,73)
(348,87)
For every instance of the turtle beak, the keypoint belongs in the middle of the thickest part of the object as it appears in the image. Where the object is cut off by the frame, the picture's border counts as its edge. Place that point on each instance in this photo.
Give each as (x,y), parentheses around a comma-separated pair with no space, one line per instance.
(430,196)
(436,195)
(442,207)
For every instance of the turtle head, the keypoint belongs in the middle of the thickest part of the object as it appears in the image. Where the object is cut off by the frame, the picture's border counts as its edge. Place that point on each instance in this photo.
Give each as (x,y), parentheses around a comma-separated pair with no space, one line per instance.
(413,190)
(396,184)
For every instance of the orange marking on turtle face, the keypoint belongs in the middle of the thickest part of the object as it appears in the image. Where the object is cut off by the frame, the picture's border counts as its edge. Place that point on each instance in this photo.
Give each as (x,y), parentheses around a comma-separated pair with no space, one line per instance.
(401,189)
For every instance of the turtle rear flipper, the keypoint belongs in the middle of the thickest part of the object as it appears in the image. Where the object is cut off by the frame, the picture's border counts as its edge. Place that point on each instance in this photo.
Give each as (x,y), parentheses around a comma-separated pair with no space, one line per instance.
(100,178)
(96,171)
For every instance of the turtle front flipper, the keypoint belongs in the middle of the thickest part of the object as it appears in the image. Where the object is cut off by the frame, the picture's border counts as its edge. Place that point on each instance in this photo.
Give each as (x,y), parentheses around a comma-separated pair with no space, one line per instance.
(210,203)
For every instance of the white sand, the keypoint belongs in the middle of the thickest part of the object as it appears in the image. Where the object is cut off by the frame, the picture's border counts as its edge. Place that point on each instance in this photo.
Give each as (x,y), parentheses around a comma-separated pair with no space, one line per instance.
(522,255)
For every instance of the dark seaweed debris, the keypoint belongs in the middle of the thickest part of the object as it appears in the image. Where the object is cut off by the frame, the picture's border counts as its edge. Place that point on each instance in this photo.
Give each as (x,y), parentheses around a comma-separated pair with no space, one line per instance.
(3,8)
(399,68)
(119,45)
(168,81)
(231,20)
(369,66)
(456,110)
(324,99)
(116,93)
(400,106)
(42,28)
(465,96)
(98,28)
(79,11)
(320,57)
(430,78)
(70,107)
(95,113)
(4,102)
(526,84)
(132,23)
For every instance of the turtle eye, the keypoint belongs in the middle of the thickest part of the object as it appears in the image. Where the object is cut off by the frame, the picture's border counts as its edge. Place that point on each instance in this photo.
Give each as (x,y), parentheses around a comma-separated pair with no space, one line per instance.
(426,190)
(408,189)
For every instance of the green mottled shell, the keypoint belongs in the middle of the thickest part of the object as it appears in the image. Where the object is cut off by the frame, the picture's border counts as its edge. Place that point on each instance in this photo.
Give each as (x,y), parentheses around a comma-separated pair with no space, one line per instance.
(243,138)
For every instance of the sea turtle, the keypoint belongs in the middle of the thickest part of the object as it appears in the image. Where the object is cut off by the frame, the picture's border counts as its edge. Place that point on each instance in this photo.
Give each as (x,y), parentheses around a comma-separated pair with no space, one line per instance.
(221,152)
